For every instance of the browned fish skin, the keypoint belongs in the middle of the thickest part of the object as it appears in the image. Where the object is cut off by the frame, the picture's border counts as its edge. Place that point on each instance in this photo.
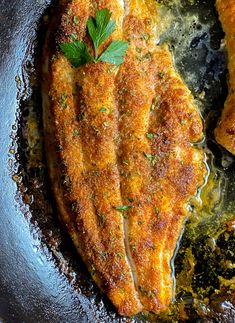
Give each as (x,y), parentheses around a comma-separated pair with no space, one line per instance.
(122,136)
(225,132)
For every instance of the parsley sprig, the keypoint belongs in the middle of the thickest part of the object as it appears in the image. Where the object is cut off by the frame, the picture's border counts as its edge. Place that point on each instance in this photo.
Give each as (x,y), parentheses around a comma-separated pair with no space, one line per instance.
(99,29)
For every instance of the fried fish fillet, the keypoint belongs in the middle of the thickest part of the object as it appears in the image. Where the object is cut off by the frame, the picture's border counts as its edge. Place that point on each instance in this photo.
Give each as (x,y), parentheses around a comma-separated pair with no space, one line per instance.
(161,168)
(82,159)
(225,131)
(122,138)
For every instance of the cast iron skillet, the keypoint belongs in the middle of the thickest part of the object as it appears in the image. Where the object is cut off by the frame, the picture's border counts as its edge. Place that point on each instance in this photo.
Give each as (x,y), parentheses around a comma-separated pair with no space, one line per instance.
(41,277)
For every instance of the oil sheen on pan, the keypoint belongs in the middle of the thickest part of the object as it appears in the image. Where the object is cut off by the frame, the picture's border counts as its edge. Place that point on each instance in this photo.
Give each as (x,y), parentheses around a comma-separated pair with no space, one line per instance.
(120,144)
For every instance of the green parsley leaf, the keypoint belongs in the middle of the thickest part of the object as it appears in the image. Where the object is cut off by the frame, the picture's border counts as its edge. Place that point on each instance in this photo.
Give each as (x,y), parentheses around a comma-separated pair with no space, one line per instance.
(115,52)
(76,52)
(99,29)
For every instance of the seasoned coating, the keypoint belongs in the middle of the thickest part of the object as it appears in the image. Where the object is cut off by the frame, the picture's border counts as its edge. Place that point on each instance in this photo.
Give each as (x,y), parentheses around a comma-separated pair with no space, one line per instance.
(161,170)
(83,167)
(122,136)
(225,131)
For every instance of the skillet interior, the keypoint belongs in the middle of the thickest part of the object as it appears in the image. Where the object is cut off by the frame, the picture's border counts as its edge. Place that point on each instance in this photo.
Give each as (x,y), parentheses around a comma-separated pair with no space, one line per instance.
(41,276)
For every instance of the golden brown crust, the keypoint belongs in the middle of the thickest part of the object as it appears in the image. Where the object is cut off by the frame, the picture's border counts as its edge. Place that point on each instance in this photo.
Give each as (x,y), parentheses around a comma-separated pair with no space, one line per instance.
(160,173)
(225,132)
(84,172)
(100,157)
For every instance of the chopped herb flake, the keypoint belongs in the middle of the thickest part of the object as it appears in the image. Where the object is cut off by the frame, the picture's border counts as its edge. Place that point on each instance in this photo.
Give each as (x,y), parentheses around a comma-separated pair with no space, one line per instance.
(103,109)
(148,56)
(81,116)
(76,133)
(104,255)
(101,219)
(63,100)
(155,103)
(120,255)
(149,135)
(161,75)
(147,293)
(157,212)
(121,208)
(145,37)
(75,207)
(75,20)
(151,158)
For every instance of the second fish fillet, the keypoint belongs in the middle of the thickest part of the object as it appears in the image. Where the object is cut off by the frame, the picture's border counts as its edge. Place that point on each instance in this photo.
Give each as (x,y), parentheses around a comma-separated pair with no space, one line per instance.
(225,131)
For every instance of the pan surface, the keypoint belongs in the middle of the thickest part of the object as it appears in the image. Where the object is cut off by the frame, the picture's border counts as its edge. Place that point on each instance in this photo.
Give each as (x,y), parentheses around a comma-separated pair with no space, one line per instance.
(41,277)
